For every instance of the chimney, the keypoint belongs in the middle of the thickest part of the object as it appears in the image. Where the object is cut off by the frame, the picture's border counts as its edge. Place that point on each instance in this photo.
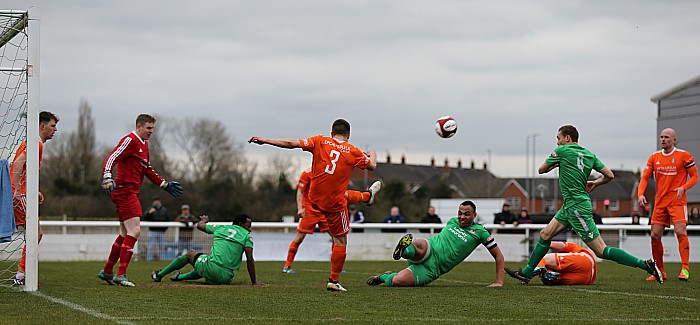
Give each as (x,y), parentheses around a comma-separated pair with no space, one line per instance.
(486,166)
(432,161)
(403,159)
(472,164)
(388,158)
(447,165)
(459,164)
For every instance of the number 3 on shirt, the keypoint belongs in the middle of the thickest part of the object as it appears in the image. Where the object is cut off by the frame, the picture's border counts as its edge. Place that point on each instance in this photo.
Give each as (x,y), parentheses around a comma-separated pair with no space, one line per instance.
(335,155)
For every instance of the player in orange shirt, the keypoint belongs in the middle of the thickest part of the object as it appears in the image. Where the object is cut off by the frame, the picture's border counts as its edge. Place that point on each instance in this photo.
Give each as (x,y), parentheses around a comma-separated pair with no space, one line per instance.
(18,170)
(572,264)
(671,168)
(333,161)
(310,217)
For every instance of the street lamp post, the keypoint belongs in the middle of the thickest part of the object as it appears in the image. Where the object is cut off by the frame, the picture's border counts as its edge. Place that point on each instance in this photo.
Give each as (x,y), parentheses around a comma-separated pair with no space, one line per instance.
(532,183)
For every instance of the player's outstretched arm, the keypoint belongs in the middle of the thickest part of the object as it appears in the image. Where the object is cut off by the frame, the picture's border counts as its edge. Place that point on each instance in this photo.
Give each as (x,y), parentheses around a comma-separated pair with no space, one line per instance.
(500,263)
(173,188)
(373,160)
(546,168)
(281,143)
(202,224)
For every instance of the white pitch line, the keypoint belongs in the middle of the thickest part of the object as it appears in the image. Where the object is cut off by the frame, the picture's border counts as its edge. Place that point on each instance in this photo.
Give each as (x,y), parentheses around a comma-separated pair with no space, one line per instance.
(82,309)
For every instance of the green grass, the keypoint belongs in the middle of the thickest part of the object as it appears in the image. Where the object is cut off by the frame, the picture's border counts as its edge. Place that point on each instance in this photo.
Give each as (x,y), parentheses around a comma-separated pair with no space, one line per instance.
(71,293)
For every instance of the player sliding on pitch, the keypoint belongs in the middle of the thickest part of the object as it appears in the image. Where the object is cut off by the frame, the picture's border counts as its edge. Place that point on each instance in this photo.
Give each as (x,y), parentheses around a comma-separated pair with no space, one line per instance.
(575,164)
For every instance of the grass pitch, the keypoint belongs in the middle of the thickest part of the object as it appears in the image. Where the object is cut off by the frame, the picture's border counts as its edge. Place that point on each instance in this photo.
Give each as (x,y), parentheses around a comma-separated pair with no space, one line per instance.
(71,293)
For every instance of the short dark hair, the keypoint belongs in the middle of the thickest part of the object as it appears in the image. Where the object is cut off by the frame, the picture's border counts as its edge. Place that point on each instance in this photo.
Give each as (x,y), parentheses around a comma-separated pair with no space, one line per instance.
(569,130)
(240,219)
(46,117)
(341,127)
(145,118)
(469,203)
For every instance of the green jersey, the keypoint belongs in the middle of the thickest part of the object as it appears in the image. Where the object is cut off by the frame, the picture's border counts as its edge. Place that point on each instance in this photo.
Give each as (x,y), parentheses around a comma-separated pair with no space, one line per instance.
(453,244)
(575,165)
(229,241)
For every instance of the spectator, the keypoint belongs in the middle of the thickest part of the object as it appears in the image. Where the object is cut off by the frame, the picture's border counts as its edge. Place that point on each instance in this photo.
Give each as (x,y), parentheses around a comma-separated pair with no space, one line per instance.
(635,219)
(505,217)
(524,217)
(395,217)
(156,235)
(694,218)
(356,216)
(184,240)
(431,217)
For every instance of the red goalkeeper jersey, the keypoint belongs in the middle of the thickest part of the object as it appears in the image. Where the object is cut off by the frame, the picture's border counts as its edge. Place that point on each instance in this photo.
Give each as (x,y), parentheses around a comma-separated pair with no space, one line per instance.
(131,162)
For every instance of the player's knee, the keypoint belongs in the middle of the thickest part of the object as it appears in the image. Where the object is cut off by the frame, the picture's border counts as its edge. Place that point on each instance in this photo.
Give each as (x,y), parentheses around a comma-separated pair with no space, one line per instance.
(655,235)
(134,233)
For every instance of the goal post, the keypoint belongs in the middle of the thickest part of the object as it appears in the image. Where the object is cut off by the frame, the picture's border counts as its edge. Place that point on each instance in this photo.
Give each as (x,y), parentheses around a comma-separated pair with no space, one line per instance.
(19,117)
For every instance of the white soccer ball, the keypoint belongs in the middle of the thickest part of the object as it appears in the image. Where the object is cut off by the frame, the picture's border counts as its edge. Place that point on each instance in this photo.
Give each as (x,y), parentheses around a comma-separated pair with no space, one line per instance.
(446,127)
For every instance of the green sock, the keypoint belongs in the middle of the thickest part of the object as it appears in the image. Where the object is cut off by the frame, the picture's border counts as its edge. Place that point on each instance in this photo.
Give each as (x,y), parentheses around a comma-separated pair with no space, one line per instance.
(176,264)
(387,278)
(624,258)
(192,275)
(538,253)
(409,252)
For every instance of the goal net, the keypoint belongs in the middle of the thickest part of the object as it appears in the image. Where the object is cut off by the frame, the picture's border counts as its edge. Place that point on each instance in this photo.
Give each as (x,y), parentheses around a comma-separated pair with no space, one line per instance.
(18,117)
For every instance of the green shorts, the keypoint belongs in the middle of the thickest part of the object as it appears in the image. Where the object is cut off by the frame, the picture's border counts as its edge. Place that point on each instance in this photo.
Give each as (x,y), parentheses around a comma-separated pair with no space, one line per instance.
(425,271)
(579,217)
(212,272)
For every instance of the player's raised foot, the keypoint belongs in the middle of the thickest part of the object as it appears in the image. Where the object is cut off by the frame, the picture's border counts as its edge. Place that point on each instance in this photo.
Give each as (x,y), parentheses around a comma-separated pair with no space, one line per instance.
(518,274)
(684,276)
(654,270)
(375,280)
(109,278)
(401,246)
(334,286)
(123,281)
(155,277)
(373,190)
(288,270)
(175,276)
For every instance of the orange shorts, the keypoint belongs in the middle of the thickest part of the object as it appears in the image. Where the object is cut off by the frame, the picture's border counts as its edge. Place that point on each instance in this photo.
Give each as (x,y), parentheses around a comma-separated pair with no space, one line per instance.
(575,268)
(338,222)
(312,217)
(20,207)
(664,216)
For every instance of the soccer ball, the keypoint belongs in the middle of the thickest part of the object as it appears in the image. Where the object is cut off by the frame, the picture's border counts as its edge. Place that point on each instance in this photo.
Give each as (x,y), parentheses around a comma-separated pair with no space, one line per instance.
(446,127)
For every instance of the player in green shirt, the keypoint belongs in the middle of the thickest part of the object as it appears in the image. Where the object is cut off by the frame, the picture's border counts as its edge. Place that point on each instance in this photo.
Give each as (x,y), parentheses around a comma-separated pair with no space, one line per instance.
(575,164)
(430,258)
(230,242)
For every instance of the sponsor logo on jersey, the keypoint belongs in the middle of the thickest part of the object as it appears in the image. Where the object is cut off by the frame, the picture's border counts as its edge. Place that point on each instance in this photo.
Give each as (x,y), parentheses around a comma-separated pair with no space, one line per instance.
(673,160)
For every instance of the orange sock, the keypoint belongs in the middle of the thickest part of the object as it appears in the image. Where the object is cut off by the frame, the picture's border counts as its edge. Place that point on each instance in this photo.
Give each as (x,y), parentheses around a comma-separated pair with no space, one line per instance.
(337,262)
(291,253)
(684,250)
(657,252)
(541,263)
(23,260)
(357,196)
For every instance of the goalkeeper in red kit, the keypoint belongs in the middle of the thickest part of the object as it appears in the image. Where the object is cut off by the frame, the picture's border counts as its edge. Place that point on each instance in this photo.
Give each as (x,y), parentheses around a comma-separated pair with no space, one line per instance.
(131,160)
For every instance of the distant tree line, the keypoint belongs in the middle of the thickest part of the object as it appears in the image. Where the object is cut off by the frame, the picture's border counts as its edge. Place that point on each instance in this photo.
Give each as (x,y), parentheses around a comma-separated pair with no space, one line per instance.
(200,154)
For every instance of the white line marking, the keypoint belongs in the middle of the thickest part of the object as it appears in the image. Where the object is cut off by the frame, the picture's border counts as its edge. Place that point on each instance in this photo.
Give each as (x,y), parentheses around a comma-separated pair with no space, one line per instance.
(82,309)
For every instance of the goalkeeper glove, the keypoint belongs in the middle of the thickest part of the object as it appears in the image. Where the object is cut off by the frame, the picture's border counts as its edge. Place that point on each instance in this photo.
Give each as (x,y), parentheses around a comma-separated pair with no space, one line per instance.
(174,188)
(108,184)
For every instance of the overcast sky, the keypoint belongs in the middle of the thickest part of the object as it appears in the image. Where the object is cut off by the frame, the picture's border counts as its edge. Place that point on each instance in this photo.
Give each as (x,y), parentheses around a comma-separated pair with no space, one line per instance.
(503,69)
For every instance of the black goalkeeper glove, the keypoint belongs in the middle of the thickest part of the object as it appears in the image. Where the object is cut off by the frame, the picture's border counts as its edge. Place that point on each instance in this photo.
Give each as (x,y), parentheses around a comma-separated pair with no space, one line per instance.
(174,188)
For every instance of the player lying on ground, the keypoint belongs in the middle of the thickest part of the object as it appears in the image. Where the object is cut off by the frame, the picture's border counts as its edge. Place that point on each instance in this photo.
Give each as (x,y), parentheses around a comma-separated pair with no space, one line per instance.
(230,242)
(430,258)
(572,264)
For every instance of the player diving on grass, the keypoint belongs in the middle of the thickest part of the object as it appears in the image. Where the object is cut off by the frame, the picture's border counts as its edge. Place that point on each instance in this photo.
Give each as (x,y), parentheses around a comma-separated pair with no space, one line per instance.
(310,216)
(575,164)
(230,243)
(571,264)
(430,258)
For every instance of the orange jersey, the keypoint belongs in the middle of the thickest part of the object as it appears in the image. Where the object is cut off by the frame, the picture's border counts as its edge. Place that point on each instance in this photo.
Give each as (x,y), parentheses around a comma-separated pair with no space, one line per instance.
(303,185)
(333,161)
(576,265)
(22,150)
(670,171)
